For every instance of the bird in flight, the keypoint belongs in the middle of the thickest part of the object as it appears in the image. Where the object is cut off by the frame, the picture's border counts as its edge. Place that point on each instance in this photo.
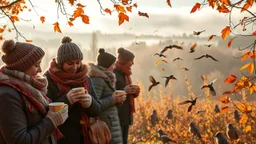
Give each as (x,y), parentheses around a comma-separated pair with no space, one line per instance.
(160,55)
(206,56)
(192,102)
(210,86)
(168,78)
(170,47)
(198,32)
(209,45)
(153,81)
(186,69)
(178,58)
(192,49)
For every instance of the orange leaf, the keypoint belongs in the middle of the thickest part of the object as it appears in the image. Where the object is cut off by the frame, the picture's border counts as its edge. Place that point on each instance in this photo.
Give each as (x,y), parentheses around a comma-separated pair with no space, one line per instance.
(85,19)
(1,38)
(143,14)
(245,55)
(71,2)
(119,8)
(29,41)
(78,12)
(245,7)
(224,109)
(14,18)
(70,23)
(225,32)
(230,42)
(243,120)
(169,3)
(250,2)
(80,5)
(226,2)
(223,9)
(227,92)
(211,37)
(253,54)
(249,66)
(135,5)
(42,19)
(230,79)
(122,17)
(124,2)
(9,30)
(193,46)
(129,8)
(196,7)
(241,107)
(225,99)
(1,30)
(108,11)
(56,27)
(248,128)
(158,62)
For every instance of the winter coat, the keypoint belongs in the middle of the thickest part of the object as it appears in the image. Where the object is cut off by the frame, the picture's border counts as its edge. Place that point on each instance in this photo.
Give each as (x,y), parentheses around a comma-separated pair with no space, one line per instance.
(72,129)
(104,90)
(18,124)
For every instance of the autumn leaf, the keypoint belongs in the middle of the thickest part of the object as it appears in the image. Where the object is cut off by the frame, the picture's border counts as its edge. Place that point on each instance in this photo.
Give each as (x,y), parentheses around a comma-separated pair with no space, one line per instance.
(158,62)
(122,17)
(71,2)
(124,2)
(14,18)
(135,5)
(223,9)
(250,2)
(243,120)
(56,27)
(129,8)
(225,32)
(80,5)
(224,109)
(245,56)
(249,66)
(248,128)
(230,79)
(85,19)
(1,38)
(70,23)
(196,7)
(143,14)
(253,54)
(254,33)
(162,69)
(42,19)
(169,3)
(226,2)
(230,42)
(225,99)
(107,10)
(119,8)
(227,92)
(210,38)
(165,61)
(193,46)
(245,7)
(243,108)
(1,30)
(78,12)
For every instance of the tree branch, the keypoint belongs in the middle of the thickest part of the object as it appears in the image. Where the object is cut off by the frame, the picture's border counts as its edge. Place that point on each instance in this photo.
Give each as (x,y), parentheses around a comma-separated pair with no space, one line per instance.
(10,4)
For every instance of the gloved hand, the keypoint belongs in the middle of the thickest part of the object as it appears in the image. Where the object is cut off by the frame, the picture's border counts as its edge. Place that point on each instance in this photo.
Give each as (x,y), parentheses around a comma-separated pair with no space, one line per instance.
(59,117)
(86,100)
(74,96)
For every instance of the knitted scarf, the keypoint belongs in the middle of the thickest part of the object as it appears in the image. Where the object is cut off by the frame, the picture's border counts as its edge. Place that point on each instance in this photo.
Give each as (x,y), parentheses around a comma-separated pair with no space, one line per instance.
(33,91)
(128,72)
(65,81)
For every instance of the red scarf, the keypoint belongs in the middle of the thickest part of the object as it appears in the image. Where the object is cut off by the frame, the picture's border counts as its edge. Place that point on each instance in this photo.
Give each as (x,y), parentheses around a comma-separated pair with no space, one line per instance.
(66,81)
(33,91)
(128,81)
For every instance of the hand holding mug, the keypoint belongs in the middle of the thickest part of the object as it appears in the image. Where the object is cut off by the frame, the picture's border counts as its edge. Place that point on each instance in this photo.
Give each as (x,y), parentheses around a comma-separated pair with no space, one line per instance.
(119,96)
(75,94)
(129,89)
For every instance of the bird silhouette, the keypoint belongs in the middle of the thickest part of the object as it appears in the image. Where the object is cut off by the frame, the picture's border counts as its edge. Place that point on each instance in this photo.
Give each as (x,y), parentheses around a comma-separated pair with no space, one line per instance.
(164,138)
(220,138)
(206,56)
(210,86)
(200,111)
(209,45)
(184,68)
(160,55)
(169,114)
(178,58)
(170,47)
(194,130)
(153,81)
(168,78)
(216,109)
(236,116)
(198,32)
(192,49)
(231,132)
(154,118)
(192,101)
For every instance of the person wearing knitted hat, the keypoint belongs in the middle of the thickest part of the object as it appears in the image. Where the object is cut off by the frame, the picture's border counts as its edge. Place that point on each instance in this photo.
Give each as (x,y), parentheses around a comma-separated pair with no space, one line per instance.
(123,75)
(23,103)
(65,73)
(104,81)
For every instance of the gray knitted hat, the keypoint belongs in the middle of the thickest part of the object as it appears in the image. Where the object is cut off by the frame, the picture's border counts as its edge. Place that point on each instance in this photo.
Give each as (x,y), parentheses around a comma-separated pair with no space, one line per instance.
(68,51)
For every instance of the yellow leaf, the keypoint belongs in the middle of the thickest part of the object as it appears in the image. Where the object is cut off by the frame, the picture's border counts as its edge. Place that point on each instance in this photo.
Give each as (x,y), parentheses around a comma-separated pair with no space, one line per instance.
(245,55)
(225,99)
(243,120)
(241,107)
(225,32)
(119,8)
(249,66)
(158,62)
(248,128)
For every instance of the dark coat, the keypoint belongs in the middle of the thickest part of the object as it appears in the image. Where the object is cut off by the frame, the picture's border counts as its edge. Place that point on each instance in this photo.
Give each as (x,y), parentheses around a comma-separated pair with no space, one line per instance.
(109,114)
(125,116)
(18,124)
(72,129)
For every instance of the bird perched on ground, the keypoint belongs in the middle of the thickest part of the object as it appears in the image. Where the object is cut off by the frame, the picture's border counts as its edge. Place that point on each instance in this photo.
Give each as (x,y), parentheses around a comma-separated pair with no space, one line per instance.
(210,86)
(184,68)
(192,101)
(177,59)
(206,56)
(220,138)
(231,132)
(171,47)
(198,32)
(154,118)
(168,78)
(192,49)
(194,130)
(160,55)
(209,45)
(153,81)
(169,114)
(236,116)
(164,138)
(216,109)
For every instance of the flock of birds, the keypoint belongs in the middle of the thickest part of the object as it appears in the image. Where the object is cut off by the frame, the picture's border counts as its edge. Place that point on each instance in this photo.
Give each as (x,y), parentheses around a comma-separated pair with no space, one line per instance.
(219,136)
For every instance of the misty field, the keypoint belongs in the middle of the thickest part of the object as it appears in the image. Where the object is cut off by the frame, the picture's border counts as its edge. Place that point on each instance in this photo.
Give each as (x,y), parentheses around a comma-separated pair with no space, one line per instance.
(202,114)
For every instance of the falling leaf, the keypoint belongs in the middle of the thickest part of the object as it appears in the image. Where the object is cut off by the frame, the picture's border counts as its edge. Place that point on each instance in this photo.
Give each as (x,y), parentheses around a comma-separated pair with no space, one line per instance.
(224,109)
(225,32)
(210,38)
(56,27)
(71,2)
(193,46)
(248,128)
(70,23)
(245,55)
(125,2)
(162,69)
(230,79)
(80,5)
(85,19)
(107,10)
(245,7)
(122,17)
(42,19)
(129,8)
(225,99)
(119,8)
(143,14)
(169,3)
(78,12)
(158,62)
(230,42)
(227,92)
(249,66)
(196,7)
(29,41)
(135,5)
(243,120)
(1,30)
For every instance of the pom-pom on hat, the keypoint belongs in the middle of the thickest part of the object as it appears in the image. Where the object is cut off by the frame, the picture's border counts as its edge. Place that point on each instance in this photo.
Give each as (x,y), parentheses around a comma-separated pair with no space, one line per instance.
(105,59)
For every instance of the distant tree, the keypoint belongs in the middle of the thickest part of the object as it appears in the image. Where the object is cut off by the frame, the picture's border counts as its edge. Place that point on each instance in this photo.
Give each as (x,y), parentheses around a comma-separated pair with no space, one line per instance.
(94,46)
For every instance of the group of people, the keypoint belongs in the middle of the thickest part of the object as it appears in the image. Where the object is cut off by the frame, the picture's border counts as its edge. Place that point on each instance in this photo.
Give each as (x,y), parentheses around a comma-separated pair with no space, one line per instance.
(25,94)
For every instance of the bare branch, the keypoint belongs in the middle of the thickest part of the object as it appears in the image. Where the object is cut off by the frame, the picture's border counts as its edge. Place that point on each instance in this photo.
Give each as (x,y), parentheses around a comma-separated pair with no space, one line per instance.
(10,4)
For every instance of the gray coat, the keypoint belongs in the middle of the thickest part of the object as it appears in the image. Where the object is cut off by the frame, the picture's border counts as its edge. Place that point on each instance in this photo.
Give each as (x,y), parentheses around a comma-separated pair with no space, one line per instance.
(18,124)
(104,91)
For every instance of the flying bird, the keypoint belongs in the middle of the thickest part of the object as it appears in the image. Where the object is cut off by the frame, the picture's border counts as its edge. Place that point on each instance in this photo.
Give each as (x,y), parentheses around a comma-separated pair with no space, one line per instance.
(220,138)
(170,47)
(160,55)
(198,32)
(184,68)
(236,115)
(168,78)
(192,49)
(206,56)
(192,101)
(178,58)
(154,118)
(194,130)
(210,86)
(153,81)
(209,45)
(231,132)
(164,138)
(216,109)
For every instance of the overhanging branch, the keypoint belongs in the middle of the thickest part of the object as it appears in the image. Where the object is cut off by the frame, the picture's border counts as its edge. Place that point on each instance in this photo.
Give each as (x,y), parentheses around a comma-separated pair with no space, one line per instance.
(10,4)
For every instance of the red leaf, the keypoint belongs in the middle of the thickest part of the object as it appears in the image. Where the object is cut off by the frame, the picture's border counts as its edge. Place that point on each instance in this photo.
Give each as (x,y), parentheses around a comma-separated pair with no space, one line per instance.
(85,19)
(108,11)
(129,8)
(227,92)
(230,79)
(135,5)
(169,3)
(224,109)
(196,7)
(80,5)
(122,17)
(42,19)
(254,33)
(230,42)
(211,37)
